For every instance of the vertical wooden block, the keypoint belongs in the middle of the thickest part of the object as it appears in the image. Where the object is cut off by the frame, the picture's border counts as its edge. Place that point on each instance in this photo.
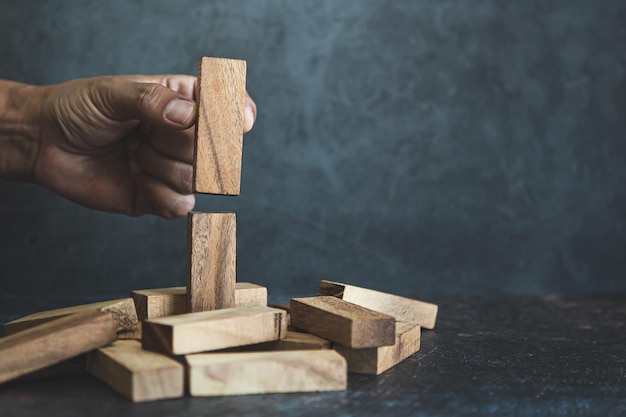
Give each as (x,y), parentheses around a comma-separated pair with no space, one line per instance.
(375,361)
(266,372)
(54,341)
(219,128)
(123,311)
(343,322)
(403,309)
(211,261)
(213,330)
(137,374)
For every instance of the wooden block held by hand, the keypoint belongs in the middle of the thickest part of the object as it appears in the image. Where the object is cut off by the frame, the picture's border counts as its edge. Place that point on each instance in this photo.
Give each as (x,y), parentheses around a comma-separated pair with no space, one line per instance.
(213,330)
(123,311)
(266,372)
(219,128)
(402,308)
(211,261)
(137,374)
(54,341)
(375,361)
(343,322)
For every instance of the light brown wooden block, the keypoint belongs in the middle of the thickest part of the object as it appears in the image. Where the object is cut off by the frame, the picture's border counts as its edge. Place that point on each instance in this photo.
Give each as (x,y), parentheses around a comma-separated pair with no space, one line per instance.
(123,311)
(375,361)
(211,261)
(213,330)
(219,128)
(162,302)
(248,294)
(301,341)
(137,374)
(266,372)
(403,309)
(343,322)
(54,341)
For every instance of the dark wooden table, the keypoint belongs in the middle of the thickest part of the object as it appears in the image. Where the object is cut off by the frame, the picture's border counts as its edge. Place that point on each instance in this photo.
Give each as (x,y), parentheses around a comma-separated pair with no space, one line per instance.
(523,356)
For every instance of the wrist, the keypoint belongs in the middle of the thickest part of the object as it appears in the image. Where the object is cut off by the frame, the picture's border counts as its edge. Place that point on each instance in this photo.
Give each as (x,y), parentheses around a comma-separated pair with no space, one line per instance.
(19,130)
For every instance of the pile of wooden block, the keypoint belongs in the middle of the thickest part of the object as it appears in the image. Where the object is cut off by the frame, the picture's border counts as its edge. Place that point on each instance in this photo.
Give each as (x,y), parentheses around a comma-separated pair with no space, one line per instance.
(216,336)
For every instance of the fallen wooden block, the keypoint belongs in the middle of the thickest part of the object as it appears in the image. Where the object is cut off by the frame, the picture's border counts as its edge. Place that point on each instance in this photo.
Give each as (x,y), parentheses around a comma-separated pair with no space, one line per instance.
(375,361)
(137,374)
(123,311)
(403,309)
(161,302)
(343,322)
(211,261)
(220,95)
(301,341)
(54,341)
(213,330)
(266,372)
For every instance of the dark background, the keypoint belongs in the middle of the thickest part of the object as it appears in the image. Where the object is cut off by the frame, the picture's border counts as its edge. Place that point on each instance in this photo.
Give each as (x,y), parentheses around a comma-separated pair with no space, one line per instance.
(412,146)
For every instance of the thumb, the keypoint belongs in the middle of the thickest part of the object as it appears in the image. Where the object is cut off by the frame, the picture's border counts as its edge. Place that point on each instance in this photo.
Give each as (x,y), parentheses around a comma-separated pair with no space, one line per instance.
(151,103)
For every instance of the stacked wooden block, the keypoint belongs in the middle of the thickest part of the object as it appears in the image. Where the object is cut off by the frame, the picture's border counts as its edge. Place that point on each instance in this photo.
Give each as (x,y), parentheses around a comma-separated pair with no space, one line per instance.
(216,336)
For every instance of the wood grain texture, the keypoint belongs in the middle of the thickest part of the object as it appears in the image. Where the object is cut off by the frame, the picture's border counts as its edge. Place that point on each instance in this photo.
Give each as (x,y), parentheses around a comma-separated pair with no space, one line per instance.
(137,374)
(54,341)
(343,322)
(160,302)
(123,311)
(219,128)
(402,308)
(213,330)
(375,361)
(266,372)
(211,261)
(301,341)
(248,294)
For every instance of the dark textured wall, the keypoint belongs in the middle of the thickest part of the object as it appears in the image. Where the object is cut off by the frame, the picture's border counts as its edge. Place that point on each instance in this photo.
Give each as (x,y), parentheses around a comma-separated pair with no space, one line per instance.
(446,147)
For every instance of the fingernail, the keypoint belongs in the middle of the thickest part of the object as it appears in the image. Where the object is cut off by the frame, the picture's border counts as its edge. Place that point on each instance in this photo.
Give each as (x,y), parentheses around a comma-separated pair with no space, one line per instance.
(178,111)
(248,118)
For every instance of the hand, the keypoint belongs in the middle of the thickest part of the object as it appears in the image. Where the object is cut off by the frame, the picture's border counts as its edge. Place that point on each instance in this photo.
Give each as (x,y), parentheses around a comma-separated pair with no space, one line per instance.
(122,144)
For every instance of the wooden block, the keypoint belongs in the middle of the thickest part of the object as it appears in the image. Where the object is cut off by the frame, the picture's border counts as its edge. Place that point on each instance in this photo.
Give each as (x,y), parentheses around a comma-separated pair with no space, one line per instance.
(248,294)
(137,374)
(211,261)
(219,128)
(375,361)
(123,311)
(54,341)
(213,330)
(287,308)
(301,341)
(161,302)
(403,309)
(266,372)
(343,322)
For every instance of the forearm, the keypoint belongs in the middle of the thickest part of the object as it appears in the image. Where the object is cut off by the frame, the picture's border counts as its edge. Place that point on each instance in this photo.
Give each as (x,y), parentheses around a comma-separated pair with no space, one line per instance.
(19,130)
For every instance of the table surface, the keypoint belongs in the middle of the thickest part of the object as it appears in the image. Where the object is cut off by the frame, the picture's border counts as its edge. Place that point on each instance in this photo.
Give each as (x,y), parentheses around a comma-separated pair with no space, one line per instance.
(552,356)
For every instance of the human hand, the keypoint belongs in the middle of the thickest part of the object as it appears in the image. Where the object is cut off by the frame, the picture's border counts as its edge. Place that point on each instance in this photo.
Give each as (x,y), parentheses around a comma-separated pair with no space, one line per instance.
(121,143)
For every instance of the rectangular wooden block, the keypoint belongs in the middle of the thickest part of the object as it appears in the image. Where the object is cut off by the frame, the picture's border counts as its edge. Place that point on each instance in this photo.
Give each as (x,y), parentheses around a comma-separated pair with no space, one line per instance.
(248,294)
(137,374)
(211,261)
(301,341)
(219,128)
(375,361)
(343,322)
(403,309)
(52,342)
(213,330)
(123,311)
(266,372)
(162,302)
